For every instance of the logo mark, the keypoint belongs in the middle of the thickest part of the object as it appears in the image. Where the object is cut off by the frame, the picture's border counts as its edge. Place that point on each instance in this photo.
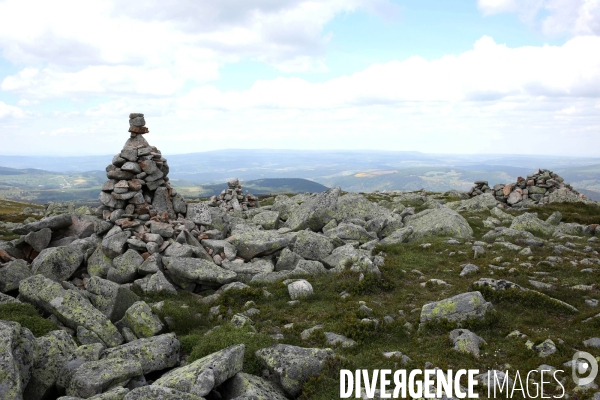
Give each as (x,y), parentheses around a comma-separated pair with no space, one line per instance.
(584,362)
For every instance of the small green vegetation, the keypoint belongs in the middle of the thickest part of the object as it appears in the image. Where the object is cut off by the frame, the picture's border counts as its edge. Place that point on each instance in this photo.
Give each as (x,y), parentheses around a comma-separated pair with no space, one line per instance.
(26,315)
(580,213)
(227,335)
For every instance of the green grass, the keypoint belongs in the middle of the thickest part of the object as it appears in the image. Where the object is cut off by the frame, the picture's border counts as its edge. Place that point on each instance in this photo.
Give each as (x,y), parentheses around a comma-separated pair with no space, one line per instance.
(28,317)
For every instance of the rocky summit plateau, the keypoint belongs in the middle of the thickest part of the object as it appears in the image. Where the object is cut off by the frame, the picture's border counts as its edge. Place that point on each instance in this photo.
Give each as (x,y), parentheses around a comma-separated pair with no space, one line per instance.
(152,297)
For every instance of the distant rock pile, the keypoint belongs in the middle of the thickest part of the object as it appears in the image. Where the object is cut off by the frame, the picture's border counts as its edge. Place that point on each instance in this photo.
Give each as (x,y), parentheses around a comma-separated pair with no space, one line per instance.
(233,198)
(541,187)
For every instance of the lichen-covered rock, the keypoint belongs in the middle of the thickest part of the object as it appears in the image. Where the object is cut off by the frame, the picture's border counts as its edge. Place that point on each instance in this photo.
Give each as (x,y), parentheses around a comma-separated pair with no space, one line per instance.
(142,321)
(125,267)
(98,264)
(246,386)
(300,289)
(284,206)
(5,299)
(292,366)
(312,267)
(95,377)
(199,213)
(114,245)
(334,339)
(17,354)
(53,223)
(479,203)
(70,307)
(401,235)
(57,263)
(221,246)
(53,351)
(194,270)
(246,271)
(287,260)
(354,205)
(12,274)
(154,353)
(38,240)
(531,223)
(315,212)
(457,309)
(110,298)
(312,246)
(564,195)
(155,283)
(201,376)
(159,392)
(267,219)
(349,231)
(438,222)
(82,354)
(466,341)
(256,243)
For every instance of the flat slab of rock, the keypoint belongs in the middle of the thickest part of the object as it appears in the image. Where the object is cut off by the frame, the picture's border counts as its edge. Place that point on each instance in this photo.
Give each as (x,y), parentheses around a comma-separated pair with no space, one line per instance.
(12,274)
(316,212)
(109,297)
(54,223)
(17,355)
(154,353)
(255,243)
(194,270)
(199,213)
(292,366)
(202,375)
(246,386)
(95,377)
(459,308)
(312,246)
(438,222)
(57,263)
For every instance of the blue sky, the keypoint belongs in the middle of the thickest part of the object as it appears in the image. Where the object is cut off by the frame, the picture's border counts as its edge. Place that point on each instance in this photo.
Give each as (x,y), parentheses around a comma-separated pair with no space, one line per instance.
(481,76)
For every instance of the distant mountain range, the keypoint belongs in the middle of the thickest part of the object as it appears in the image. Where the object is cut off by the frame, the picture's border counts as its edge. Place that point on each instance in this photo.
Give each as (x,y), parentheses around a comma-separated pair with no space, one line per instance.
(356,171)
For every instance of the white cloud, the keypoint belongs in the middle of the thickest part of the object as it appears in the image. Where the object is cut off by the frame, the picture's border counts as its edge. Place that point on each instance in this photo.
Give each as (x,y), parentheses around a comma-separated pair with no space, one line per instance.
(7,110)
(554,17)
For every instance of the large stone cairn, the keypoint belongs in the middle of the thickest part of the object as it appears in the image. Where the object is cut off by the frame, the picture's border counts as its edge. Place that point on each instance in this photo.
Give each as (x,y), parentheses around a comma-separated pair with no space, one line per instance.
(538,188)
(138,187)
(233,198)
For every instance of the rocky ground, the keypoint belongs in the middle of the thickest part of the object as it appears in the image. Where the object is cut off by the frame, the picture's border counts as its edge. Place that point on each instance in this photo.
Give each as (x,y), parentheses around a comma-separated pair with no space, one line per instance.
(271,302)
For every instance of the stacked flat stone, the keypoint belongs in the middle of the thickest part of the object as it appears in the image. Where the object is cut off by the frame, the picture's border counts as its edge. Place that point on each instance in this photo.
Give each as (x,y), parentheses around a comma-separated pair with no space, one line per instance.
(233,198)
(138,187)
(541,187)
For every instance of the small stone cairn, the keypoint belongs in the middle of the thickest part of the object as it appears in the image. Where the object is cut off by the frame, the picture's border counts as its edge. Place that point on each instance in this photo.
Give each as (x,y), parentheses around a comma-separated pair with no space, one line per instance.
(138,187)
(233,198)
(538,188)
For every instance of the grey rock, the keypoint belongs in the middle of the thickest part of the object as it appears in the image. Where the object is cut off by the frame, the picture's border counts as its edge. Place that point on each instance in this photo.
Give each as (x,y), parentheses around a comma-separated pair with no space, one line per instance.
(284,206)
(17,353)
(544,349)
(334,339)
(114,245)
(312,267)
(154,354)
(53,223)
(53,351)
(155,283)
(287,260)
(162,202)
(95,377)
(163,229)
(125,267)
(179,204)
(193,270)
(202,375)
(457,309)
(199,213)
(466,341)
(142,321)
(221,246)
(292,366)
(300,289)
(312,246)
(531,223)
(469,268)
(159,392)
(592,342)
(5,299)
(267,219)
(316,212)
(12,274)
(348,231)
(438,222)
(109,297)
(401,235)
(479,203)
(255,243)
(98,264)
(69,306)
(246,386)
(57,263)
(39,240)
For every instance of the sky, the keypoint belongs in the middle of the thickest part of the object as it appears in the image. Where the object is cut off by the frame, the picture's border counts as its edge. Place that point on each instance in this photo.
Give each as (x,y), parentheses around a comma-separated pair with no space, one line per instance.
(451,76)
